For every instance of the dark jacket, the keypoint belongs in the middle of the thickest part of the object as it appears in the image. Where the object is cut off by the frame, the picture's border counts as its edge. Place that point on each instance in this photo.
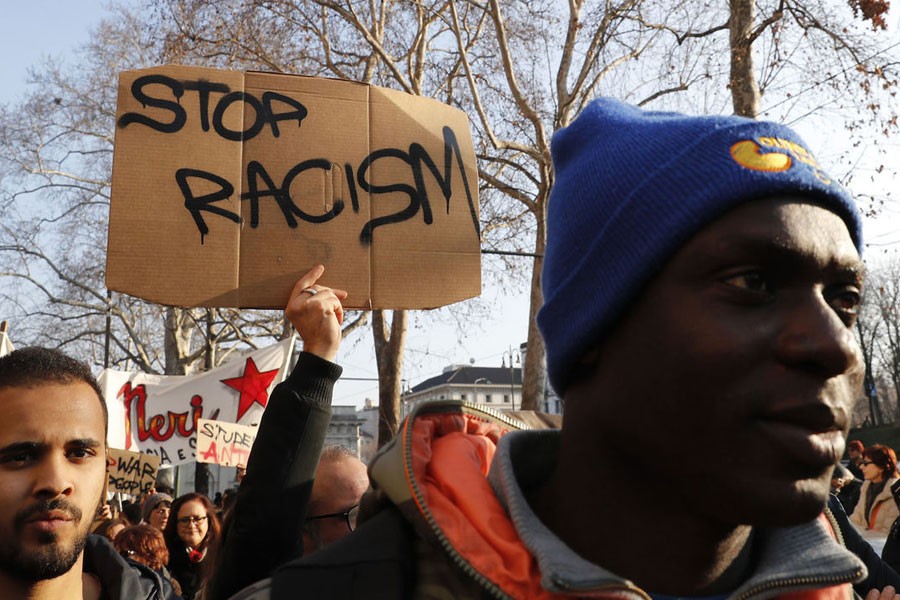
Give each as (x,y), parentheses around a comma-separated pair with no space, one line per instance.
(880,572)
(449,535)
(121,579)
(378,564)
(188,574)
(265,527)
(890,554)
(849,495)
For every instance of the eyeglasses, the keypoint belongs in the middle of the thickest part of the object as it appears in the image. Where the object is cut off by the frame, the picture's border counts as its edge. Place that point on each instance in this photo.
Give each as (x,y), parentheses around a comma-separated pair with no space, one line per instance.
(349,516)
(192,520)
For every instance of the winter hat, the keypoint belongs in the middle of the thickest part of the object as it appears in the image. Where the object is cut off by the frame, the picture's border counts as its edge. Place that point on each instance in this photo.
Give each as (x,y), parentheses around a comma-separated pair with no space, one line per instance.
(152,501)
(631,187)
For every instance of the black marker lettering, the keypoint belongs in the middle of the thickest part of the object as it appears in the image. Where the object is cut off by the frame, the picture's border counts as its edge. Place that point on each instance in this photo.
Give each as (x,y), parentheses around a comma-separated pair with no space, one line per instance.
(256,170)
(197,204)
(316,163)
(351,183)
(179,116)
(365,237)
(203,89)
(299,113)
(451,150)
(237,136)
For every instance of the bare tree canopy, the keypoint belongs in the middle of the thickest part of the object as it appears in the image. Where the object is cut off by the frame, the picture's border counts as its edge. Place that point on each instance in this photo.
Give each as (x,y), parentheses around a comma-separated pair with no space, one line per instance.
(520,69)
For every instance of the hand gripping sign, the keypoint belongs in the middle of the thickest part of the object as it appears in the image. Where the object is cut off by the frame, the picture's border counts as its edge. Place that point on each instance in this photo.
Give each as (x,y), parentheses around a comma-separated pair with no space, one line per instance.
(227,186)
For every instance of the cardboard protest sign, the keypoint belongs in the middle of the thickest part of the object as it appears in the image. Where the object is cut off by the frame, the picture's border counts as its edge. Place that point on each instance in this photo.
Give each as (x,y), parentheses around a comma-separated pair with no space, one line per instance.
(227,186)
(159,414)
(131,473)
(226,444)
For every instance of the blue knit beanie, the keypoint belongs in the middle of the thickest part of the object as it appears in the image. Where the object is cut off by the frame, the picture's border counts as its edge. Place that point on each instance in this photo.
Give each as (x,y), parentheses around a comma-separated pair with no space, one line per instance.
(632,187)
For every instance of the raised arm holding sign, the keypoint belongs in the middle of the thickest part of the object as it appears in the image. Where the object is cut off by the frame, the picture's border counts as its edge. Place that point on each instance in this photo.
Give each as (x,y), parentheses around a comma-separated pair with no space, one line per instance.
(265,527)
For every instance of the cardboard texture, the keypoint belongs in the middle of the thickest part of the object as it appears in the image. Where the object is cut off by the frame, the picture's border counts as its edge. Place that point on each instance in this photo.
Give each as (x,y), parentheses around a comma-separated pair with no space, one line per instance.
(131,473)
(228,186)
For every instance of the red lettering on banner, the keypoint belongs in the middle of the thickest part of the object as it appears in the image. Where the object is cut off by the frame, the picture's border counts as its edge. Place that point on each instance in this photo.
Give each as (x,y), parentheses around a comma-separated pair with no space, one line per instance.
(155,426)
(210,452)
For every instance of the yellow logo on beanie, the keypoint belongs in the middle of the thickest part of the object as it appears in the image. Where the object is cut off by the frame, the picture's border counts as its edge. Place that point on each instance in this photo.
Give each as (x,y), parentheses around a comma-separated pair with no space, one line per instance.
(748,154)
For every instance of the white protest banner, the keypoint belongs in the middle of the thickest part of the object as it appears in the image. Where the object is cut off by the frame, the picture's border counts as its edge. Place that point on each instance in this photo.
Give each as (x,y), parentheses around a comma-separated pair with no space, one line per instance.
(5,345)
(226,444)
(131,473)
(158,415)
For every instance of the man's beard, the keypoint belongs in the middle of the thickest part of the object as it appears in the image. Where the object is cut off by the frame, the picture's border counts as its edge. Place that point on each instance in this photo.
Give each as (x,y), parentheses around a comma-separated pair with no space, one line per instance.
(51,559)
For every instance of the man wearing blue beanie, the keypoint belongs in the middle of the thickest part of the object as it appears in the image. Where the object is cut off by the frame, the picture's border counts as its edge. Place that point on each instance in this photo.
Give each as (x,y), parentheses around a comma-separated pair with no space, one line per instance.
(701,284)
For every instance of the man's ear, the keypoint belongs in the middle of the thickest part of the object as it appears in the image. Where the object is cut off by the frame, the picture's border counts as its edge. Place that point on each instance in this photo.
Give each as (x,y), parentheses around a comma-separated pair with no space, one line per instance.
(590,358)
(584,367)
(311,540)
(105,491)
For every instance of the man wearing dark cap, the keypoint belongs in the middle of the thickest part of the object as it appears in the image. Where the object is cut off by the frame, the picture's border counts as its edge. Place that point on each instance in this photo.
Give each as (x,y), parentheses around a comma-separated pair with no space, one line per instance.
(155,510)
(701,283)
(855,450)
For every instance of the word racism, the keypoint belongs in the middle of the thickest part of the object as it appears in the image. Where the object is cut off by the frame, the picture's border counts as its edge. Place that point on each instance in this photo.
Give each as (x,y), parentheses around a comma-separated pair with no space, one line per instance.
(272,110)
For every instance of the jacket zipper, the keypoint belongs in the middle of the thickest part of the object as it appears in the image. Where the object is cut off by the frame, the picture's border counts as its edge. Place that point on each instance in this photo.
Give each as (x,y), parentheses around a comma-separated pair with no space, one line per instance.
(455,556)
(600,591)
(808,581)
(797,582)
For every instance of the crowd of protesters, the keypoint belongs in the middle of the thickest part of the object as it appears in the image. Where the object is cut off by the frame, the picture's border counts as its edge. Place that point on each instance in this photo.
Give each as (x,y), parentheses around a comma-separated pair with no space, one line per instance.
(713,249)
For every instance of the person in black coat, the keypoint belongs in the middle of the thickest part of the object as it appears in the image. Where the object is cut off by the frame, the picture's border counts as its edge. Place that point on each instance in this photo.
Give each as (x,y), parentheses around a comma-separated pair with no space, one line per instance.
(265,527)
(881,573)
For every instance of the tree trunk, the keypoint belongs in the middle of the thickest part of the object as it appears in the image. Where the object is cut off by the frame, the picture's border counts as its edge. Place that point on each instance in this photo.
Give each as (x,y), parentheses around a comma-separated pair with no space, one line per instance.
(389,342)
(179,331)
(870,389)
(534,381)
(201,470)
(744,87)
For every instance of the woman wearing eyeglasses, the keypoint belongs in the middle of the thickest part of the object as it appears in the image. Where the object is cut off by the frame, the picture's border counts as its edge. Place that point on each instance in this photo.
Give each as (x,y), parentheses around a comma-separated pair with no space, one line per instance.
(192,537)
(876,509)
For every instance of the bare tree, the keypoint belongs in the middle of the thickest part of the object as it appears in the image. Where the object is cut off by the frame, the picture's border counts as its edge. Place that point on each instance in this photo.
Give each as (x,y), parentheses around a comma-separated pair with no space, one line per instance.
(884,291)
(520,70)
(868,326)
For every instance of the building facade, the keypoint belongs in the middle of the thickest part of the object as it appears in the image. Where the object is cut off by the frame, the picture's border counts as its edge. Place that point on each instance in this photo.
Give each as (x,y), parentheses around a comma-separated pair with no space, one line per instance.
(498,388)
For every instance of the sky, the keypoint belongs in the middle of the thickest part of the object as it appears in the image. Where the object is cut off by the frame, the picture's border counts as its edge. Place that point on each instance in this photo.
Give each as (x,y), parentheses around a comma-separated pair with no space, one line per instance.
(36,29)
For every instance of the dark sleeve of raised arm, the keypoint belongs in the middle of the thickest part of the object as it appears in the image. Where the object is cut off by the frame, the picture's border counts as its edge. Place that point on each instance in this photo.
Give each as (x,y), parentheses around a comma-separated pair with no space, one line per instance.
(880,573)
(265,527)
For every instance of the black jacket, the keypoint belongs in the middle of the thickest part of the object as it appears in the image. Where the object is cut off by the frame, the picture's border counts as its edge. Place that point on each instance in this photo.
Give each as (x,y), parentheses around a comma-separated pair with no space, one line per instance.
(376,562)
(121,579)
(265,528)
(880,572)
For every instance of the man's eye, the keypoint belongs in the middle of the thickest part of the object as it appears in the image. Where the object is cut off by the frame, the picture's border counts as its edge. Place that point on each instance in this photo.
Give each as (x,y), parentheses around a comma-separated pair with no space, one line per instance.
(80,453)
(752,281)
(16,459)
(846,301)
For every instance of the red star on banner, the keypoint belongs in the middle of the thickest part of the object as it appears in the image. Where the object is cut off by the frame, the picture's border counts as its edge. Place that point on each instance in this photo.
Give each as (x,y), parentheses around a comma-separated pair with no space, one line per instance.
(253,386)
